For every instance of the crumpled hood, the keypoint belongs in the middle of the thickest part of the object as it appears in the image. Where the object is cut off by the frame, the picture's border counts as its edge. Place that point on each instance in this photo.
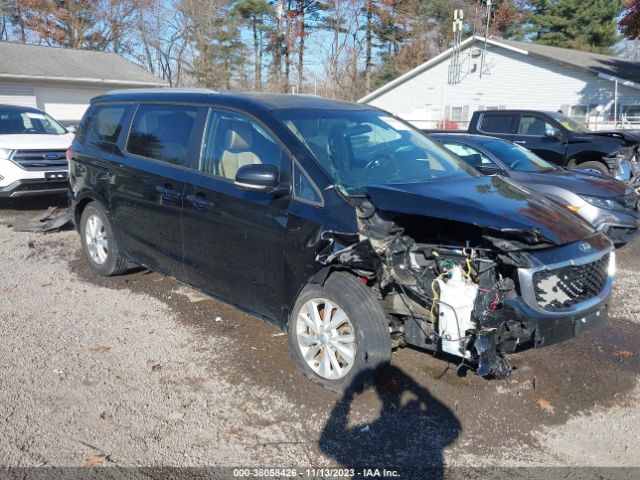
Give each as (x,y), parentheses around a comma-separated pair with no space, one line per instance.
(489,202)
(34,141)
(582,183)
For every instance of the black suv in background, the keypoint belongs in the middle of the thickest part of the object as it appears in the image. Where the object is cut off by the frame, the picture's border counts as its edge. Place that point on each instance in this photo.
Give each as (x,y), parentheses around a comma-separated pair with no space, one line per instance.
(337,221)
(557,138)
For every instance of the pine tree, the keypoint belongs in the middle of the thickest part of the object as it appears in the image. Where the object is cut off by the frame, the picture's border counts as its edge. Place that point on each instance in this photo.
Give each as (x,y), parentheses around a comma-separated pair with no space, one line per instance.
(580,24)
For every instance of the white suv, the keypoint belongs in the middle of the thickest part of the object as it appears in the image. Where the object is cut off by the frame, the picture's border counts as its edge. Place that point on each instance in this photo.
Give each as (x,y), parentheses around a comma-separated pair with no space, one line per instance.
(32,153)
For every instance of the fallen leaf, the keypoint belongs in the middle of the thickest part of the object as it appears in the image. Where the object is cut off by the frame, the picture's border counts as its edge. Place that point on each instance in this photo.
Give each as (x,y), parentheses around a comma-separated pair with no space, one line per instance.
(236,431)
(546,406)
(623,354)
(100,349)
(156,368)
(31,245)
(93,460)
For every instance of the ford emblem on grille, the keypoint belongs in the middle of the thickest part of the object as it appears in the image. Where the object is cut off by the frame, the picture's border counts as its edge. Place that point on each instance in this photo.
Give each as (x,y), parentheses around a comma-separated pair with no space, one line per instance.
(51,156)
(584,246)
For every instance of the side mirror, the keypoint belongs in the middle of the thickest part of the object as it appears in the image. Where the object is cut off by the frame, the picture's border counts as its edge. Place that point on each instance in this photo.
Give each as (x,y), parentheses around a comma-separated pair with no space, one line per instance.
(489,169)
(71,129)
(257,177)
(553,133)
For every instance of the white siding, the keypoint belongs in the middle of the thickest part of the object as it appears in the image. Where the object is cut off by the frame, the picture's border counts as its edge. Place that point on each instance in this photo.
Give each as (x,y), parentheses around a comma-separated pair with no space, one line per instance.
(16,95)
(509,80)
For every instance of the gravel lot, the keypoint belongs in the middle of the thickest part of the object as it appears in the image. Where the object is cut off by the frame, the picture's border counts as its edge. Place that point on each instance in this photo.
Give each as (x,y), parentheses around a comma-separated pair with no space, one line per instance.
(140,370)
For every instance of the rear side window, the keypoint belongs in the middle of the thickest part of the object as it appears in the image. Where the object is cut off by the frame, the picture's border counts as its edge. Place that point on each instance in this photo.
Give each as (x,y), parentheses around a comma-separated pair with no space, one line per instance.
(102,125)
(162,132)
(497,123)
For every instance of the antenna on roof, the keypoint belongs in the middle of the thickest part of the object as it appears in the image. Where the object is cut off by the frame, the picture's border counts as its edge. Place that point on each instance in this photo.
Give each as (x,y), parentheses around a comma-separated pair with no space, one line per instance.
(486,36)
(454,65)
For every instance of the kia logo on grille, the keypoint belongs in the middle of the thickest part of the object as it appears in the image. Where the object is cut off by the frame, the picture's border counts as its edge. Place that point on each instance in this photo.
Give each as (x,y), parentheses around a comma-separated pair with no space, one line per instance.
(51,156)
(584,246)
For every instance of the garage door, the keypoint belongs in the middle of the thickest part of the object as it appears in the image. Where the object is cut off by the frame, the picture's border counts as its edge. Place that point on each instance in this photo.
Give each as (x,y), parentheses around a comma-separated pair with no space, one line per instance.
(23,96)
(66,105)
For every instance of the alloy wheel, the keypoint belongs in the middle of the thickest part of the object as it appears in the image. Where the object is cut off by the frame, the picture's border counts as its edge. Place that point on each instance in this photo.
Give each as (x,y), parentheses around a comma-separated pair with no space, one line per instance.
(326,338)
(96,239)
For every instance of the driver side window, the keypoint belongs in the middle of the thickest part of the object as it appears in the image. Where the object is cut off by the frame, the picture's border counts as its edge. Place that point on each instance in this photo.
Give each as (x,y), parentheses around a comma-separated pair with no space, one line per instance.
(233,140)
(534,126)
(470,155)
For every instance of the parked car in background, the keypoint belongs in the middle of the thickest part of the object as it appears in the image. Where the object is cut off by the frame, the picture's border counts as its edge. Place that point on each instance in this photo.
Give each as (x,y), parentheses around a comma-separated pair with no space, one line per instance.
(32,153)
(337,221)
(559,139)
(608,204)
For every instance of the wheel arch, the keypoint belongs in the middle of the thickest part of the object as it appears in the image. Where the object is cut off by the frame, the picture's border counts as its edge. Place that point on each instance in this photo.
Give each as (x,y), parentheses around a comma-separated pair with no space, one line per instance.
(82,202)
(318,278)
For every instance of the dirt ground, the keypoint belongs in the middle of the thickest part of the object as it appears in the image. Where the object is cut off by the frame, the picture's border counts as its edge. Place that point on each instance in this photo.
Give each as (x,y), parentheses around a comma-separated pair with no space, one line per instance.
(140,370)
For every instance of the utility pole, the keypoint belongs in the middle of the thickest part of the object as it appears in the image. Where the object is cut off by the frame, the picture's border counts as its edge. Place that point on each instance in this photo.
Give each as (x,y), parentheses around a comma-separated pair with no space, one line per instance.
(486,36)
(454,65)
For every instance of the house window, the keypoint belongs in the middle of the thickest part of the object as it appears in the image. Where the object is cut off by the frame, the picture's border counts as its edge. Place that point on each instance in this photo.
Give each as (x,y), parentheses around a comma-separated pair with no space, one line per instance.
(631,111)
(457,114)
(579,111)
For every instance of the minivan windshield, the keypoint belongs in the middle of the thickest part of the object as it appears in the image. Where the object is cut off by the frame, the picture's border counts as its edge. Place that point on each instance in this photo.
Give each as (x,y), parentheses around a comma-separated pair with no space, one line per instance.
(518,158)
(14,121)
(367,147)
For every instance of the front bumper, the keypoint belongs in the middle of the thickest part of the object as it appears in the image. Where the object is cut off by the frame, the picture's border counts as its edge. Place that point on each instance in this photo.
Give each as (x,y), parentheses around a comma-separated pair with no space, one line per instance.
(561,294)
(538,330)
(34,187)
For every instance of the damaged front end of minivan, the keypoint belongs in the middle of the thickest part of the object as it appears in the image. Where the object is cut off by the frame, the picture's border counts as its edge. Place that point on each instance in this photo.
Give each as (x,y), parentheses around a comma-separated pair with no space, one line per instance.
(473,291)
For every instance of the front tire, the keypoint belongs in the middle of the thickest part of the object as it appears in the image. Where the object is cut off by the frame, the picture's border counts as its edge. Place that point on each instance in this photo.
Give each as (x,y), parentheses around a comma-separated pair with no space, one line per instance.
(594,166)
(99,244)
(338,333)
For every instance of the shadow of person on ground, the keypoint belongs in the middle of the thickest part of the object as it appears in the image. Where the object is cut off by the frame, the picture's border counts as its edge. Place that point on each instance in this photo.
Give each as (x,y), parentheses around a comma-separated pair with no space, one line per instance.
(410,432)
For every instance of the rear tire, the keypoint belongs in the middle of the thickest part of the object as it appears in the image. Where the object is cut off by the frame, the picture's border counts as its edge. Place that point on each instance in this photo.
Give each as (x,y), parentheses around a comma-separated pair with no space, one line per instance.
(343,350)
(99,244)
(594,166)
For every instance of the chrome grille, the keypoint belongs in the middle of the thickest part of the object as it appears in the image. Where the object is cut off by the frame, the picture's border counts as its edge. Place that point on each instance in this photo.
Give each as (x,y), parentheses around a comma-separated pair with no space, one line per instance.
(564,287)
(40,159)
(630,200)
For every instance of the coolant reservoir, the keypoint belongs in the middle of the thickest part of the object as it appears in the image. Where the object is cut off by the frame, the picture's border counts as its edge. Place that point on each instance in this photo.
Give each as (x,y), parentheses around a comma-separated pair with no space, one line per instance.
(457,298)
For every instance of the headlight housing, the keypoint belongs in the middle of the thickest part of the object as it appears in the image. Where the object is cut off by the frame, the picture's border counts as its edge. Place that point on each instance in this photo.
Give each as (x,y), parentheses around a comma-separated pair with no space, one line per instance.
(5,153)
(600,202)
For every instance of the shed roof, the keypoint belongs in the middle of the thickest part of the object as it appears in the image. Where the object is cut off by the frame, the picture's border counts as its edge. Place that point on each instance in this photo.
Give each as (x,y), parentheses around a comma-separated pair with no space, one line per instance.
(35,62)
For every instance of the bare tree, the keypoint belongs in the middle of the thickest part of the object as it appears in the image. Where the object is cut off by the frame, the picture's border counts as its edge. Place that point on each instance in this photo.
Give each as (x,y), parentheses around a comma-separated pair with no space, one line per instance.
(161,41)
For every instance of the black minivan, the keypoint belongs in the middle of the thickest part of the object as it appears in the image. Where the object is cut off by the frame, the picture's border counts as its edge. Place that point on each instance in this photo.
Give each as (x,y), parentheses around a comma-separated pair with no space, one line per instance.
(337,221)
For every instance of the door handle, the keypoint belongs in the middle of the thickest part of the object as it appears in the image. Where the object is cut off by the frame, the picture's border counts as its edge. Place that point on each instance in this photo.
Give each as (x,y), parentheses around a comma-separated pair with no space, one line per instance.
(168,192)
(199,201)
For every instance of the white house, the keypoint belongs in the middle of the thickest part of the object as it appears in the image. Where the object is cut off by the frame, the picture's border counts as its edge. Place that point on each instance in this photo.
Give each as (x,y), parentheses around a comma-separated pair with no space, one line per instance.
(62,81)
(446,90)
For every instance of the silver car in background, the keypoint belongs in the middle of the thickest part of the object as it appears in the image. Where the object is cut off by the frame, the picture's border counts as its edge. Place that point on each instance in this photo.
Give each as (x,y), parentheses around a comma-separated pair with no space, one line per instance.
(610,205)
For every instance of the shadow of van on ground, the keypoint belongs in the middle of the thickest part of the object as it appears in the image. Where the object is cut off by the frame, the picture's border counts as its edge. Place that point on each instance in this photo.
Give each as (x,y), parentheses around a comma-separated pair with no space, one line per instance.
(409,434)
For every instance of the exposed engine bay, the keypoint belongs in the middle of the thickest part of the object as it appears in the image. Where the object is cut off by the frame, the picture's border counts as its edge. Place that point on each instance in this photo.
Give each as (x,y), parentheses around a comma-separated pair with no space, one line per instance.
(451,289)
